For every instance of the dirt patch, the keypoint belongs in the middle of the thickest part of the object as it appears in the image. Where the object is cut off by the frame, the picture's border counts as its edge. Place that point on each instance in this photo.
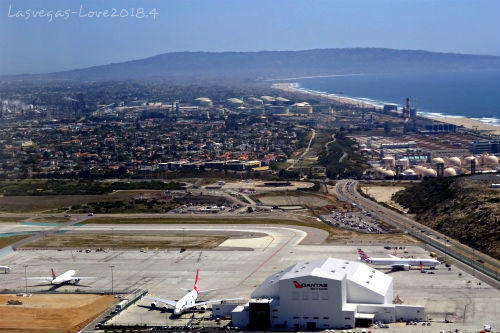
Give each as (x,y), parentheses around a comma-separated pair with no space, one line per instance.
(168,239)
(338,235)
(50,313)
(4,241)
(384,194)
(294,198)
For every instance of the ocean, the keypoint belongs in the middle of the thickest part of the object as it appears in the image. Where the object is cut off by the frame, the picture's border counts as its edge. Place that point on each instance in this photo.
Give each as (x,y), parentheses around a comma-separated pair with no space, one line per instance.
(473,95)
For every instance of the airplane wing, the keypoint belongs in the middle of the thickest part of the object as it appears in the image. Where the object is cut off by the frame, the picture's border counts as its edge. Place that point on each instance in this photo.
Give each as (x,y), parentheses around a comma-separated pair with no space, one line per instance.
(82,277)
(165,301)
(211,301)
(206,291)
(200,292)
(40,278)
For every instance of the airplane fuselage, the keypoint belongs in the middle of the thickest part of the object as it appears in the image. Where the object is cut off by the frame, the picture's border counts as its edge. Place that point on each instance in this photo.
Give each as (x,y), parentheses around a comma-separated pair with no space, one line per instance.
(401,262)
(64,277)
(187,301)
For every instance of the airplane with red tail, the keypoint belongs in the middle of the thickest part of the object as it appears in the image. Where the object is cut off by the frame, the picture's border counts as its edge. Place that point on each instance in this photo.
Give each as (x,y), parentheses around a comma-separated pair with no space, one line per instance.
(187,302)
(398,263)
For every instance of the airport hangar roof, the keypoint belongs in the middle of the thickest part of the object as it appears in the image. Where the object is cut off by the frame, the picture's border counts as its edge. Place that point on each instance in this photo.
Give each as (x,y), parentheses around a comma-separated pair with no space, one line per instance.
(329,268)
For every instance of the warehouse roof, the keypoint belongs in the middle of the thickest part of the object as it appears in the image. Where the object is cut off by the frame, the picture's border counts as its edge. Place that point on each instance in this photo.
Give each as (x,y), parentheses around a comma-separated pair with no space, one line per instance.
(329,268)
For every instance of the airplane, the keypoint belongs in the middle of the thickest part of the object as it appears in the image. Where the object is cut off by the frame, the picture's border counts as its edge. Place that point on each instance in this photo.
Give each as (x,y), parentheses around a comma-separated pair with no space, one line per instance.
(397,263)
(187,302)
(5,269)
(65,277)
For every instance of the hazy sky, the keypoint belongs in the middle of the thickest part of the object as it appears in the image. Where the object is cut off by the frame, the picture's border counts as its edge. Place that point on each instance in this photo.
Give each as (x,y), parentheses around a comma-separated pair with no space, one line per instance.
(36,45)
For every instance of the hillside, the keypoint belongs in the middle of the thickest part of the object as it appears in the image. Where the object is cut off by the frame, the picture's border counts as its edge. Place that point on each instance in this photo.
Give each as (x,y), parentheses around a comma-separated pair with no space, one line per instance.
(463,208)
(231,66)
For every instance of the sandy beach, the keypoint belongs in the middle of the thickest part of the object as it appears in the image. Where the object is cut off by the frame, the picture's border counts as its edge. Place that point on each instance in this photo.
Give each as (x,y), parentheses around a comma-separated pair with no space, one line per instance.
(459,121)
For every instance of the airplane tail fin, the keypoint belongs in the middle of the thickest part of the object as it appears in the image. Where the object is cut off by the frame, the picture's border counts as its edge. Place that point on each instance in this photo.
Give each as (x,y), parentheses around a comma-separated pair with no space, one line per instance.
(363,256)
(53,274)
(196,282)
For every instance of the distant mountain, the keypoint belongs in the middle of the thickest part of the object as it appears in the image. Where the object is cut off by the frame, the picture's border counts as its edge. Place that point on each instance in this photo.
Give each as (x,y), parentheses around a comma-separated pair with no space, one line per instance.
(203,66)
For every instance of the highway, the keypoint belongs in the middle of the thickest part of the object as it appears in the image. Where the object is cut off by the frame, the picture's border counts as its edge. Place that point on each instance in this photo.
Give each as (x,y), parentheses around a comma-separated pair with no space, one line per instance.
(481,264)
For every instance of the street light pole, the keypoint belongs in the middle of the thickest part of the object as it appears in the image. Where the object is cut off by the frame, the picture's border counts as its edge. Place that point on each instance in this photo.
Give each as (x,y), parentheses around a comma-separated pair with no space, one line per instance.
(112,280)
(26,278)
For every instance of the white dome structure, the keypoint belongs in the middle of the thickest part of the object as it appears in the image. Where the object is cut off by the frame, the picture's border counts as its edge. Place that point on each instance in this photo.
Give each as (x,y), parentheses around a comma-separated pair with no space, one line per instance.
(428,172)
(437,160)
(449,172)
(454,161)
(409,172)
(490,160)
(468,159)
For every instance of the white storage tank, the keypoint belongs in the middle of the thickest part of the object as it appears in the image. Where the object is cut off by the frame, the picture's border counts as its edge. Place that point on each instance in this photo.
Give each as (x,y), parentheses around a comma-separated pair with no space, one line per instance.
(449,172)
(490,160)
(437,160)
(427,172)
(454,161)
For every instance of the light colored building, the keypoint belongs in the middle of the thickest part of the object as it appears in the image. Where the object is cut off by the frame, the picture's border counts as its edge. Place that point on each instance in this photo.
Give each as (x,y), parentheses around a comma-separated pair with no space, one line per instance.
(326,293)
(204,102)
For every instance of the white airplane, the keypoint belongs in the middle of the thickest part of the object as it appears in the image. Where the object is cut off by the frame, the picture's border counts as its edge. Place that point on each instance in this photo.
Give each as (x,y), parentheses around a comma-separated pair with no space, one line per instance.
(187,302)
(66,277)
(398,263)
(5,269)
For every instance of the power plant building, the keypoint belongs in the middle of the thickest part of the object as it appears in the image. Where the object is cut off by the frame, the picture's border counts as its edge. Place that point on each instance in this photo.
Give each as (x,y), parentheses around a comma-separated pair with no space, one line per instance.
(320,294)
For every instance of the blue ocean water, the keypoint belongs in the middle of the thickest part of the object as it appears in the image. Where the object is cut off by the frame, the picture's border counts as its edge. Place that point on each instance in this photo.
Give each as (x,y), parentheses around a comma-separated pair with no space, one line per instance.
(469,94)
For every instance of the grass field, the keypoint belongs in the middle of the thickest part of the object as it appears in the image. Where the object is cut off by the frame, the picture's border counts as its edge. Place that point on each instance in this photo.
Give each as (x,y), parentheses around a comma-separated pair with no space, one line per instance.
(21,204)
(12,218)
(50,313)
(131,241)
(51,219)
(4,241)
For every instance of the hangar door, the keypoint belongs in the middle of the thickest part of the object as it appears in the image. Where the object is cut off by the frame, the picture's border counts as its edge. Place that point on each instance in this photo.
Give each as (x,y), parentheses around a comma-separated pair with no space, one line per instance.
(260,316)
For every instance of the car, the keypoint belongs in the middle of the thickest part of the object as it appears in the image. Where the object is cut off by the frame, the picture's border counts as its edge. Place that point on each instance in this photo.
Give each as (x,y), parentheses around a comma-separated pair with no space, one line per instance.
(90,214)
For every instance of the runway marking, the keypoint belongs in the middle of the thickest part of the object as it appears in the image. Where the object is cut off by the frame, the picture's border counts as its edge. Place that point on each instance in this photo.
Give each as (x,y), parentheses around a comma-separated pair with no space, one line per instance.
(267,260)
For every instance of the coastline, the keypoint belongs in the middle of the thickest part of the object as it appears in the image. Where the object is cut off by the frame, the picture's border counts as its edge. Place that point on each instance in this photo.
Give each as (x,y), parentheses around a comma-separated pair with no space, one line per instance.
(288,87)
(465,122)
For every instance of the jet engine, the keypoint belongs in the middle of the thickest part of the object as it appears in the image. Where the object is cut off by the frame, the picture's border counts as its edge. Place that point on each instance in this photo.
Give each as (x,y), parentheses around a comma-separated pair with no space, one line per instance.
(406,267)
(164,308)
(153,305)
(77,280)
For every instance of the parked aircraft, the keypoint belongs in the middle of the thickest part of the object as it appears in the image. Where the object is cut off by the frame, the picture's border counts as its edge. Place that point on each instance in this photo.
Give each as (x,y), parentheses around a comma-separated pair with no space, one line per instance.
(5,269)
(398,263)
(66,277)
(187,302)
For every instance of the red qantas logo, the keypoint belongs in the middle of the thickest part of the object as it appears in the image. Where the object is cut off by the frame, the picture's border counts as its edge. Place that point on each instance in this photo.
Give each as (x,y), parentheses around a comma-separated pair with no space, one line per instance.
(313,286)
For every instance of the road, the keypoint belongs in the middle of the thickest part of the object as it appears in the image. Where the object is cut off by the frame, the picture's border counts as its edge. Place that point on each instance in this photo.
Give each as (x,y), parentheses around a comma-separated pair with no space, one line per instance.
(313,135)
(489,267)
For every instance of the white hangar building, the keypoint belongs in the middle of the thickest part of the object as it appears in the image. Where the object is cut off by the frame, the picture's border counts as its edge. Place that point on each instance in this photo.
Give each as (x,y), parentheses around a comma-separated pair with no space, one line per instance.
(326,293)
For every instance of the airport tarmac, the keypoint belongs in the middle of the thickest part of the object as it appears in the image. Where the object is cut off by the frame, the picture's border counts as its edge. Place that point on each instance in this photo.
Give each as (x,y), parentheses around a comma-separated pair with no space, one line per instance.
(236,268)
